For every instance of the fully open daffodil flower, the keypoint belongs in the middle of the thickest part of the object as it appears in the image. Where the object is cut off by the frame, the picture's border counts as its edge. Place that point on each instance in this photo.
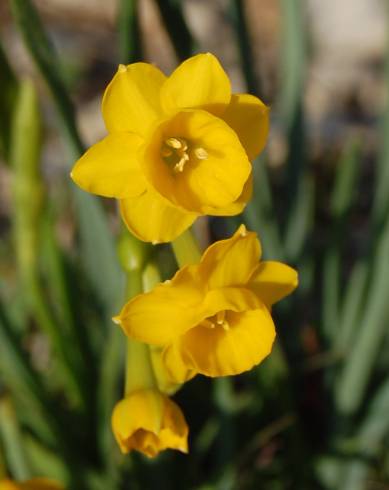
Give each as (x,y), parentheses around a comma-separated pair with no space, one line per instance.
(34,484)
(149,422)
(178,147)
(213,318)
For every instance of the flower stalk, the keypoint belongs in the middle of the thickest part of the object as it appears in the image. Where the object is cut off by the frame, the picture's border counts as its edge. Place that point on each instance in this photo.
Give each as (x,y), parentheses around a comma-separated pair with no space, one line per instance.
(186,248)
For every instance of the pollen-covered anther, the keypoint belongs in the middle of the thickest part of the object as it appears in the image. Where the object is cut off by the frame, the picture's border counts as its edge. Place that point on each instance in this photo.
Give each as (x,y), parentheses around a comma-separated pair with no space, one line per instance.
(207,323)
(201,153)
(221,320)
(176,143)
(175,153)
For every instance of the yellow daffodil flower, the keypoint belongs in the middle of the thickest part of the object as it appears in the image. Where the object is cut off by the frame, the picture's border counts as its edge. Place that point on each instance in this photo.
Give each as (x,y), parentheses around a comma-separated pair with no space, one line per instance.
(178,147)
(213,318)
(149,422)
(34,484)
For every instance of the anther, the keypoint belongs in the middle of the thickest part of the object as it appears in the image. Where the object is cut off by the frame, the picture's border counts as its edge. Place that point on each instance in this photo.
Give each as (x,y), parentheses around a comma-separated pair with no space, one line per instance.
(221,320)
(201,153)
(207,323)
(220,317)
(174,143)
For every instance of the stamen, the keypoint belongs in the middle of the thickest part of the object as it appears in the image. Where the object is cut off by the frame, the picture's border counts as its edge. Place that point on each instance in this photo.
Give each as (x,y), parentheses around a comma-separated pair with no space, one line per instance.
(226,326)
(220,317)
(175,152)
(207,323)
(201,153)
(174,143)
(221,320)
(179,167)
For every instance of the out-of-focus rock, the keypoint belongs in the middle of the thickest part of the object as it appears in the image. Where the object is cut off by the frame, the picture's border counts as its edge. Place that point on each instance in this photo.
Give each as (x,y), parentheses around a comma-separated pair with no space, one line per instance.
(88,13)
(349,42)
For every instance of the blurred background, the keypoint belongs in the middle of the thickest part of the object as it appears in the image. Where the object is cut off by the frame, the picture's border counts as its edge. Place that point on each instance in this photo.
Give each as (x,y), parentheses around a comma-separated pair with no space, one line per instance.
(315,414)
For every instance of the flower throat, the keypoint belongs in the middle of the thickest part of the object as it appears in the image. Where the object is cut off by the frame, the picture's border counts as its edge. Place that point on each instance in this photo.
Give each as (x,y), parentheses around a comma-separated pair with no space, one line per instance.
(176,153)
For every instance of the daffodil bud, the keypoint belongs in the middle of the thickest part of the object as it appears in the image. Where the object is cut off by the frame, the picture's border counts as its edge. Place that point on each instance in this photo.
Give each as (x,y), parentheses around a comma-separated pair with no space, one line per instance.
(149,422)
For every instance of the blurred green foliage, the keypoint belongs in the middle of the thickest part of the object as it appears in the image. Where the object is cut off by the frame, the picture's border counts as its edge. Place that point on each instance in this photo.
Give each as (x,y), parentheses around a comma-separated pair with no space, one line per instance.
(313,415)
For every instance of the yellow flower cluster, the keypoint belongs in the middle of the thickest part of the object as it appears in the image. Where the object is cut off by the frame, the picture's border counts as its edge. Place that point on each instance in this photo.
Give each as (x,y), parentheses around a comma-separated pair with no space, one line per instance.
(177,148)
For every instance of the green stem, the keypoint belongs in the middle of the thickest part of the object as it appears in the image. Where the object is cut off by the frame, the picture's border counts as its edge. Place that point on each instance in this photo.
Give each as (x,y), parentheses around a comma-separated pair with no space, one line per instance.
(151,276)
(186,249)
(139,371)
(12,439)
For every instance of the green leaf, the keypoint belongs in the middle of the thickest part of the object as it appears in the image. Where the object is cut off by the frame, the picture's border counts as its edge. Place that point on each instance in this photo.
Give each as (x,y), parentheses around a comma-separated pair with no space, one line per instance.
(97,246)
(176,28)
(259,214)
(130,48)
(8,90)
(238,13)
(368,441)
(22,380)
(359,365)
(11,436)
(46,59)
(342,197)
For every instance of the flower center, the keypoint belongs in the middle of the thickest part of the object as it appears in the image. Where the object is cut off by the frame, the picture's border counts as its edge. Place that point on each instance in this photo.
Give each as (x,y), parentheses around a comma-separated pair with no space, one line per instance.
(177,151)
(218,320)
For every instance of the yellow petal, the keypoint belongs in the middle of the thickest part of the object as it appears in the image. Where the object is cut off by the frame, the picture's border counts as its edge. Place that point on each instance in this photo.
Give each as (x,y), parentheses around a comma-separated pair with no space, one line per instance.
(164,313)
(223,352)
(231,262)
(111,168)
(149,422)
(237,206)
(131,101)
(214,181)
(177,368)
(272,281)
(178,361)
(249,118)
(231,299)
(152,219)
(199,82)
(166,382)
